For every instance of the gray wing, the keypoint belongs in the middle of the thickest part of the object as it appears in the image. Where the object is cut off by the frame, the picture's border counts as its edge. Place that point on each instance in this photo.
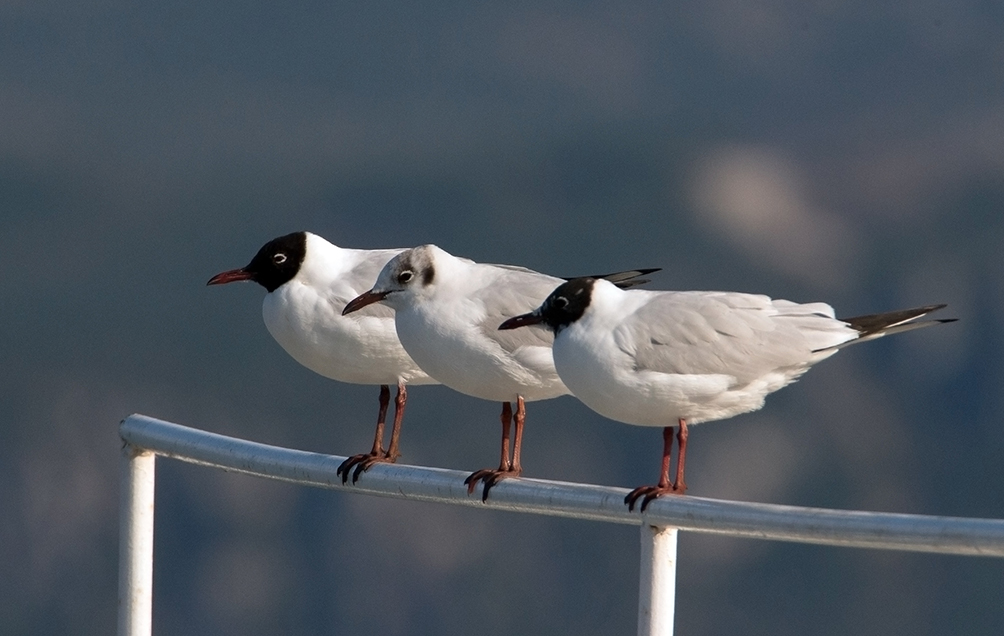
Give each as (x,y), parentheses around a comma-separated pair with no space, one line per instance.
(734,334)
(511,268)
(514,291)
(360,279)
(519,290)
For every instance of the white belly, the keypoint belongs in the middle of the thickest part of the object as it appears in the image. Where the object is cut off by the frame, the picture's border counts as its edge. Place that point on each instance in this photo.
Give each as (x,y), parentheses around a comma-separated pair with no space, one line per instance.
(358,349)
(604,379)
(458,355)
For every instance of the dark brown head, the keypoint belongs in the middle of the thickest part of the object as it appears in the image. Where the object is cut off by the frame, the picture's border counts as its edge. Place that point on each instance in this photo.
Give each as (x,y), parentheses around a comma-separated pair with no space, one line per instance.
(566,304)
(275,264)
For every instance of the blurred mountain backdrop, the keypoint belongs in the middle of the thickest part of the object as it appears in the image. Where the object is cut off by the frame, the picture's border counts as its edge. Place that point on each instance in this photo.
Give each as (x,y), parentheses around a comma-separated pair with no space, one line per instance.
(850,152)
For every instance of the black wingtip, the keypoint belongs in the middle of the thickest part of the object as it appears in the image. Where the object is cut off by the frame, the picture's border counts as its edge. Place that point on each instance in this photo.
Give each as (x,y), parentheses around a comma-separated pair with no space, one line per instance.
(615,277)
(628,279)
(630,274)
(645,272)
(876,323)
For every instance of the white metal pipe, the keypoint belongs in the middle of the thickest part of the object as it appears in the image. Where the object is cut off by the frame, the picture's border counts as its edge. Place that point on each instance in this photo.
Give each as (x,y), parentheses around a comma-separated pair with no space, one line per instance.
(918,533)
(657,585)
(136,541)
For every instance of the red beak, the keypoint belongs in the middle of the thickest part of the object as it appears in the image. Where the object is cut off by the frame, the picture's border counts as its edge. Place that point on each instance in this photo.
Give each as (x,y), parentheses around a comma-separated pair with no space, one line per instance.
(360,301)
(521,321)
(231,276)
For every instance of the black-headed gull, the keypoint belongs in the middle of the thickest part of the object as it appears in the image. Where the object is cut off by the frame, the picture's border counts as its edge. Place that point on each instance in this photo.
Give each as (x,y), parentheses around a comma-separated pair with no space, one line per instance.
(665,358)
(309,281)
(447,314)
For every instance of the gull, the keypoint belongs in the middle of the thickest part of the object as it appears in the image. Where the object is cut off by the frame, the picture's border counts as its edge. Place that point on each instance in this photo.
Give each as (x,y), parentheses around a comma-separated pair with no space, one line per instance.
(665,358)
(447,311)
(308,282)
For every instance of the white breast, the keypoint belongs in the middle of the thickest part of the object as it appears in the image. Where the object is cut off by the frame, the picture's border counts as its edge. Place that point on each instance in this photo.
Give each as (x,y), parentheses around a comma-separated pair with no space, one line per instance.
(358,349)
(652,358)
(446,340)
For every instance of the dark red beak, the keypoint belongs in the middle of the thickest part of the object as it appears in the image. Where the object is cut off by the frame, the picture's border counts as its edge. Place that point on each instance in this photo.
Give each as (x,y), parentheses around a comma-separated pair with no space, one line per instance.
(360,301)
(231,276)
(522,321)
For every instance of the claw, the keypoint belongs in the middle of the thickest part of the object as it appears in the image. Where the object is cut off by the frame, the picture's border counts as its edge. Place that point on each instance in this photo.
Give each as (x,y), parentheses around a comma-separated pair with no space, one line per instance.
(507,467)
(490,478)
(472,481)
(648,494)
(361,463)
(363,466)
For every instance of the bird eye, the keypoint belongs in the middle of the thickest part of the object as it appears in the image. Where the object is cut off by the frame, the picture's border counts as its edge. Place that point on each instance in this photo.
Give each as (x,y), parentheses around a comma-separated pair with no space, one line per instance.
(405,277)
(279,258)
(560,302)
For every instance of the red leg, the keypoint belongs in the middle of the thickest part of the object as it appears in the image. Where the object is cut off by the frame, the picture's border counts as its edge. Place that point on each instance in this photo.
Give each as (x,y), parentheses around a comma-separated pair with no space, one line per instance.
(519,419)
(393,451)
(381,418)
(680,486)
(506,418)
(506,467)
(664,487)
(363,461)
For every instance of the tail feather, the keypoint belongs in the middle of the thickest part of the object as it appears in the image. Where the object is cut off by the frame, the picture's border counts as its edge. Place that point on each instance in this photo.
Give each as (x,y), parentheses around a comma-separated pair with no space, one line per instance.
(877,325)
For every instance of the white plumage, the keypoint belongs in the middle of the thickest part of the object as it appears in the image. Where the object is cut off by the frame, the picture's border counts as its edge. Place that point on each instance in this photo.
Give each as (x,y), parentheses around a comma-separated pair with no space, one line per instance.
(447,314)
(309,281)
(449,325)
(304,315)
(653,358)
(662,358)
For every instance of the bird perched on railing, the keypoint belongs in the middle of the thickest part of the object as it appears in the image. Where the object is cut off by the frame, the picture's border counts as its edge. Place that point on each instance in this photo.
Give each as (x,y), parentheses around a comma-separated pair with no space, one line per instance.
(665,358)
(309,281)
(447,315)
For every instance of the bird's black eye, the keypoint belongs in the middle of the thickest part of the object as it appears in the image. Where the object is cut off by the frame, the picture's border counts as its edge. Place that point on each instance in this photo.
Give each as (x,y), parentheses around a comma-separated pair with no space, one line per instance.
(279,258)
(405,277)
(559,302)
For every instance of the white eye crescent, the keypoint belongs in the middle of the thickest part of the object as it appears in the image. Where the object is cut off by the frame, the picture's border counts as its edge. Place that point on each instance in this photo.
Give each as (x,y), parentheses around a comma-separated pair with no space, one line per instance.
(279,258)
(405,277)
(560,302)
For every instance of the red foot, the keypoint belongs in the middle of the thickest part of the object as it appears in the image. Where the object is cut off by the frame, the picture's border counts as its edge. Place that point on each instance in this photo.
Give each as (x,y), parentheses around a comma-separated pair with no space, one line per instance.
(490,477)
(362,463)
(650,493)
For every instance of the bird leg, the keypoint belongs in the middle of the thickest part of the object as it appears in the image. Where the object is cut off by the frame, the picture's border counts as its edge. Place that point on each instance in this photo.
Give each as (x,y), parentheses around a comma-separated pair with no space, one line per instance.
(664,487)
(504,464)
(393,451)
(506,467)
(381,418)
(506,418)
(519,418)
(363,461)
(680,486)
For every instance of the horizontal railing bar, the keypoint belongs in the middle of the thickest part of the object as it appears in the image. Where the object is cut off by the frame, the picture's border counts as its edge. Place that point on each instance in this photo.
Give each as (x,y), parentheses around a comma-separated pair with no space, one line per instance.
(917,533)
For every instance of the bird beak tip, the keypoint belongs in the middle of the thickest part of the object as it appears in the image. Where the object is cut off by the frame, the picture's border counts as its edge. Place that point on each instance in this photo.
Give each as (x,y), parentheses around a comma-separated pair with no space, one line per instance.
(360,301)
(521,321)
(231,276)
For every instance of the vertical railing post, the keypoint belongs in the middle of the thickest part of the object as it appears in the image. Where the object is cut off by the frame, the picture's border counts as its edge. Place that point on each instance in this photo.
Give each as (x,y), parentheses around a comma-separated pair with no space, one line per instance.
(136,542)
(657,586)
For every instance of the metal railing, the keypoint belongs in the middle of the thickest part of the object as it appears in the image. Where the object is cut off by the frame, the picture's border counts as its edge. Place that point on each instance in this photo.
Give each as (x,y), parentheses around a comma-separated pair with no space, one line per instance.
(146,437)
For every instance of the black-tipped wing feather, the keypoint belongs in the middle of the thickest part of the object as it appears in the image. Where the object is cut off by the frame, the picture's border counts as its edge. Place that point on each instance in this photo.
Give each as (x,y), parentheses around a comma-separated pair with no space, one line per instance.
(874,326)
(627,279)
(876,323)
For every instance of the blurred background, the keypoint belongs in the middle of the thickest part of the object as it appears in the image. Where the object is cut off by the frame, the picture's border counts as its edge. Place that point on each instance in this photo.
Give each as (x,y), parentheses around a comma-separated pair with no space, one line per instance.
(850,152)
